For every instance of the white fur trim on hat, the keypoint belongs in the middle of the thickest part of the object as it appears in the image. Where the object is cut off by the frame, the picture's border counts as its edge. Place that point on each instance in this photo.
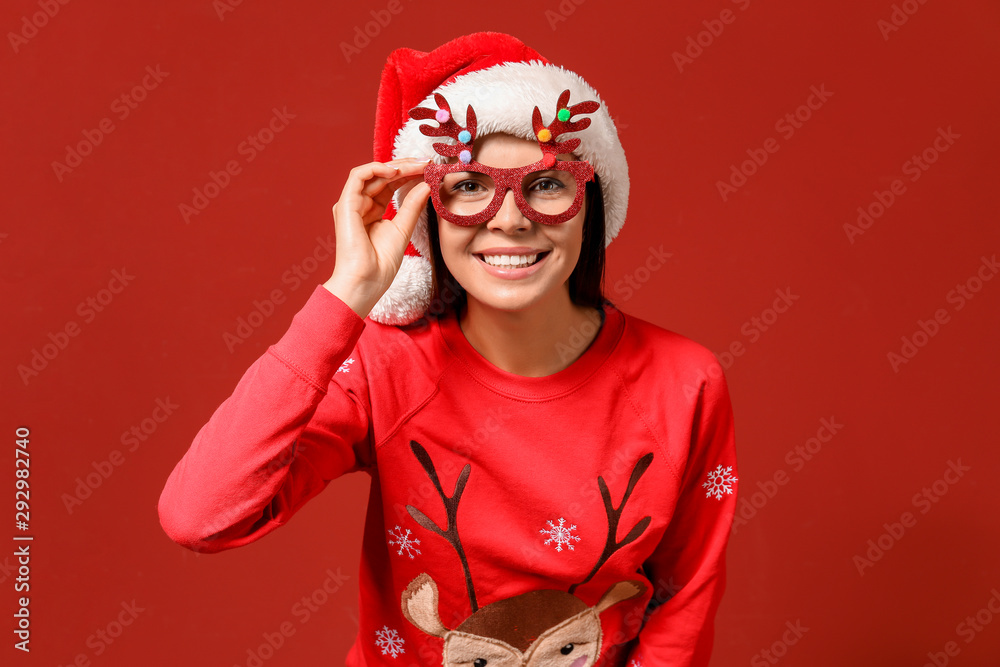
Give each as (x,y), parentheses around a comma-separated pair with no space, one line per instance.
(408,296)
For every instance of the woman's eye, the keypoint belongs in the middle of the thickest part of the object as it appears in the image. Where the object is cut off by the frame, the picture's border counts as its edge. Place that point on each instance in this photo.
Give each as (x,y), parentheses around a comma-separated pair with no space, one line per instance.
(567,649)
(480,662)
(548,185)
(468,187)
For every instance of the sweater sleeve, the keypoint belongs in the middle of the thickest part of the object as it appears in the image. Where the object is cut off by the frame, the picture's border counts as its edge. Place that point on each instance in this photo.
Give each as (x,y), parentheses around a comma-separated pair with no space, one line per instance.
(688,568)
(278,440)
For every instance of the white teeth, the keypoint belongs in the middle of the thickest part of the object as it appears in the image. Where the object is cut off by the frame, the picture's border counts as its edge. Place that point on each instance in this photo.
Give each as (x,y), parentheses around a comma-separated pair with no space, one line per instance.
(515,261)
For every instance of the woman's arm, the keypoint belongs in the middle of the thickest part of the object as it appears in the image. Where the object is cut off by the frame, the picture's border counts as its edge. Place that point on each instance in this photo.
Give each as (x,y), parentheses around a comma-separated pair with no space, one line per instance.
(689,562)
(285,432)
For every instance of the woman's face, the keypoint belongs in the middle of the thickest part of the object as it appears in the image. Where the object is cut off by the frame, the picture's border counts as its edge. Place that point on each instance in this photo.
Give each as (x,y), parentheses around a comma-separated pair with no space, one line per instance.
(476,255)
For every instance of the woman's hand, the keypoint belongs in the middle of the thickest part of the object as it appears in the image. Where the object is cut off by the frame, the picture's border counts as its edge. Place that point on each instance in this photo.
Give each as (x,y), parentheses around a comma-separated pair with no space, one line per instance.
(370,249)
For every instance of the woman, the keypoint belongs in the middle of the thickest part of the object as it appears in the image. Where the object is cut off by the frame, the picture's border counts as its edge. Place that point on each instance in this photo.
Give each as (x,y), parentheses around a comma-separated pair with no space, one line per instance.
(553,481)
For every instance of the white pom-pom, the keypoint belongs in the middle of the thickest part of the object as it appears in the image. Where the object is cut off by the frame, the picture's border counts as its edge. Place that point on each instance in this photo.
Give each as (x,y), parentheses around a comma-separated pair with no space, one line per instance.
(408,296)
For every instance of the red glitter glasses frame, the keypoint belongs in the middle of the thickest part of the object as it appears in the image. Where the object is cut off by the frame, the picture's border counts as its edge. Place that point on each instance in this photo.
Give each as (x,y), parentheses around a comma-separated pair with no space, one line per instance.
(508,179)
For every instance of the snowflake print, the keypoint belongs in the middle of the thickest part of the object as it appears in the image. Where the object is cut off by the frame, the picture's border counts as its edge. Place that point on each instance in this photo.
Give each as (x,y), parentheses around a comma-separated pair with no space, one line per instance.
(346,366)
(404,542)
(637,662)
(560,534)
(389,641)
(720,481)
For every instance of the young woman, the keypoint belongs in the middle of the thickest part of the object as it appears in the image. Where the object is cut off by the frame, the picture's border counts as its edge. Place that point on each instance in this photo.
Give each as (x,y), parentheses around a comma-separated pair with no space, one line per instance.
(553,480)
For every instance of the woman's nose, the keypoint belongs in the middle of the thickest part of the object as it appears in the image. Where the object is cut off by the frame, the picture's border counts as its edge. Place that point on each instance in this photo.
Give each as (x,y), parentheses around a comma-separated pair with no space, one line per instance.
(509,218)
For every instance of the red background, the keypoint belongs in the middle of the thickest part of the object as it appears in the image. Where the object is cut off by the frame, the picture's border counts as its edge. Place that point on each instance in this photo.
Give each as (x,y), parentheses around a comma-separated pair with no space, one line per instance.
(162,336)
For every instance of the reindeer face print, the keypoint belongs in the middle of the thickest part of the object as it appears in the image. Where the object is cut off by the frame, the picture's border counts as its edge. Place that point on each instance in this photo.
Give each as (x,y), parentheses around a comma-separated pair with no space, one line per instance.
(573,643)
(506,633)
(541,628)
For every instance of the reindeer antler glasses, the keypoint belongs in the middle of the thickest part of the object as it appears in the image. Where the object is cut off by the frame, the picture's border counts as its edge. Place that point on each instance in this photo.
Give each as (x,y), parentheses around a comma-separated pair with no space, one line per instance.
(467,192)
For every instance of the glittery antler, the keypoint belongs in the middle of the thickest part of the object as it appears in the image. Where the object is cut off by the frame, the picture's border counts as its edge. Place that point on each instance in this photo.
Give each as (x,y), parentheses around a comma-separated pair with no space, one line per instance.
(447,127)
(562,124)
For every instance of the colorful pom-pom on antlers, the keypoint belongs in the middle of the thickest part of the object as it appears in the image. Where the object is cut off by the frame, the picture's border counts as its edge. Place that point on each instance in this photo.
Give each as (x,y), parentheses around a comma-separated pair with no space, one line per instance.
(562,125)
(546,135)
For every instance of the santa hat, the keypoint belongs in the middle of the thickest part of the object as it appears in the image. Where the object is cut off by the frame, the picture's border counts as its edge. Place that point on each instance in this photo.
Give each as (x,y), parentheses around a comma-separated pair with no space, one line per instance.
(503,80)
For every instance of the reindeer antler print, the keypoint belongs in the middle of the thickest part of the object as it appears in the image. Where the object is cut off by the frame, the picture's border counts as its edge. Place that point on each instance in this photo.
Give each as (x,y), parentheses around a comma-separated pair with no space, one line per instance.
(611,544)
(451,509)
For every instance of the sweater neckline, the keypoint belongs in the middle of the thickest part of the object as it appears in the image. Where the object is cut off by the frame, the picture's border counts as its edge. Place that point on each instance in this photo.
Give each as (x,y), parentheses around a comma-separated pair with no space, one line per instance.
(523,387)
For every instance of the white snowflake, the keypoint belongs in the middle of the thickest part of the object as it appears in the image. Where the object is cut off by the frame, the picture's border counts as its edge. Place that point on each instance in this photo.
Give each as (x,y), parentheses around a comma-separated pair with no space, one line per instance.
(389,641)
(345,367)
(560,534)
(636,663)
(720,481)
(404,541)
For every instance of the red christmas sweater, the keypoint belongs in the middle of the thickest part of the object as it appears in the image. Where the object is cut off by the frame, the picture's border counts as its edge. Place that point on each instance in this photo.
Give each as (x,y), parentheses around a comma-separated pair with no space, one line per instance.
(570,520)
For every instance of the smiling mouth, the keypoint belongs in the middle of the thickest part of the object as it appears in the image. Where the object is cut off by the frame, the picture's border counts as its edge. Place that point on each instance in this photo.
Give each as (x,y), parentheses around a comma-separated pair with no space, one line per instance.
(511,261)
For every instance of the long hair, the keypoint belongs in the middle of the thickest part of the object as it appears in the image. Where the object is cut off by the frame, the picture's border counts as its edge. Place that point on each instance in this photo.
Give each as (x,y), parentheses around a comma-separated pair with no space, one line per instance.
(586,283)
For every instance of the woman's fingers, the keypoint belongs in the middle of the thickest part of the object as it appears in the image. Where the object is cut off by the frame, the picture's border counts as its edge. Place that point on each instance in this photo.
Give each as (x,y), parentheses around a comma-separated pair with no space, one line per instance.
(370,187)
(402,170)
(410,208)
